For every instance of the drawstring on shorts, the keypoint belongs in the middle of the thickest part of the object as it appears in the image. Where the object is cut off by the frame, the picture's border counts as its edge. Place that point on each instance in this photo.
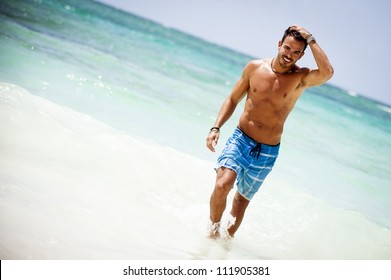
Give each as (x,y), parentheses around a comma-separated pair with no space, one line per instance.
(256,151)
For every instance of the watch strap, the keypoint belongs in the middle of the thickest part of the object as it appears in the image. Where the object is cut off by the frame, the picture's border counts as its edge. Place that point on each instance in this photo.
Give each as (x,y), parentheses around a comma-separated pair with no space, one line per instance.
(310,39)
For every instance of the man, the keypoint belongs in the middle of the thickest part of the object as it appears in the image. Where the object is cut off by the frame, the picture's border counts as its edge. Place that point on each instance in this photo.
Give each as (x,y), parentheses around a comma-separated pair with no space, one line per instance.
(272,87)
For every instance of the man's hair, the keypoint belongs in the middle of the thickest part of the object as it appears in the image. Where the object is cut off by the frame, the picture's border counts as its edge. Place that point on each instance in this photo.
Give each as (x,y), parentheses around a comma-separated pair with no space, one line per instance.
(295,34)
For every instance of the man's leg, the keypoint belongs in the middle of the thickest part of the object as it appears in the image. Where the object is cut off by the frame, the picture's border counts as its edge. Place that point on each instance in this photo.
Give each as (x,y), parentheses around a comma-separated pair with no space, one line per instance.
(224,181)
(239,206)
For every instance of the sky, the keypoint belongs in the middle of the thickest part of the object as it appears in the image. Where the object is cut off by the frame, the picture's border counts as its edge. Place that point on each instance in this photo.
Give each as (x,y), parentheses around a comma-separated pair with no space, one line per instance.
(354,34)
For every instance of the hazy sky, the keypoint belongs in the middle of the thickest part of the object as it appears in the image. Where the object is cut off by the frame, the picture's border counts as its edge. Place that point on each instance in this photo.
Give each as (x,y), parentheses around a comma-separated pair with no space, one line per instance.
(354,34)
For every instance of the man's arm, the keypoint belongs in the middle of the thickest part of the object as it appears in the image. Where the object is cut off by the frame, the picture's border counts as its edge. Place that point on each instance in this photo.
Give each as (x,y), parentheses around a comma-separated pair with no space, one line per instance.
(325,71)
(229,106)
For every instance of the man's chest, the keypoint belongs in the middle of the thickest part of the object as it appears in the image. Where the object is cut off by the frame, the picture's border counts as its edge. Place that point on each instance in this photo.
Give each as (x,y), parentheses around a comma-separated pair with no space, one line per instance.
(271,86)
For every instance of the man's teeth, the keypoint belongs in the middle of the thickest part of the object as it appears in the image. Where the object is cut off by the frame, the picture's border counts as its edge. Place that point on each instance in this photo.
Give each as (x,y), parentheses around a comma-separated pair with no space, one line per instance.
(286,59)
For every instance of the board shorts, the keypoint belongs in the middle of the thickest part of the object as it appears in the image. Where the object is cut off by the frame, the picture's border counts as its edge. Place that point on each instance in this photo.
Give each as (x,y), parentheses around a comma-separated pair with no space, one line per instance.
(251,161)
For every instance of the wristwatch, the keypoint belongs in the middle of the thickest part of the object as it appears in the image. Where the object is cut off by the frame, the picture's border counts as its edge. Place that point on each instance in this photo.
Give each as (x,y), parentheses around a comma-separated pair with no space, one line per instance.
(310,39)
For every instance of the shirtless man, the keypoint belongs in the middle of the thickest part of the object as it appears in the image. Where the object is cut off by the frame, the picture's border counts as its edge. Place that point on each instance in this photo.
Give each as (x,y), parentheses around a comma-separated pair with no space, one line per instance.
(272,87)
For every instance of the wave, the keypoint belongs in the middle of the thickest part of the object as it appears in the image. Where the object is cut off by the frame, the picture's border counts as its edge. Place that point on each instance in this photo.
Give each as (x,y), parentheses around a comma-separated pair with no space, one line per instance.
(384,108)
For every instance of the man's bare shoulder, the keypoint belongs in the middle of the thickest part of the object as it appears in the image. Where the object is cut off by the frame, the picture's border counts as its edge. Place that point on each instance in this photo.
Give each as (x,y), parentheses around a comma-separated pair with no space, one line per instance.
(303,70)
(254,64)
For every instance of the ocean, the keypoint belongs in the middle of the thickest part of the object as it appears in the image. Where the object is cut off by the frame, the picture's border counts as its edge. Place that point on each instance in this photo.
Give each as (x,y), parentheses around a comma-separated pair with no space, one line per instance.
(103,120)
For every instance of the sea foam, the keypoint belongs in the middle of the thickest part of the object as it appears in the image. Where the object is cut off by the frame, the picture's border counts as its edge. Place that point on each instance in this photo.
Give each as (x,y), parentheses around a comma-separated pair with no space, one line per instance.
(72,187)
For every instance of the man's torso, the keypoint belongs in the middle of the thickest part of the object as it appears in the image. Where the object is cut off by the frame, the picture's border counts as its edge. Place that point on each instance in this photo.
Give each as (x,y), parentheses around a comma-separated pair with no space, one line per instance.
(270,99)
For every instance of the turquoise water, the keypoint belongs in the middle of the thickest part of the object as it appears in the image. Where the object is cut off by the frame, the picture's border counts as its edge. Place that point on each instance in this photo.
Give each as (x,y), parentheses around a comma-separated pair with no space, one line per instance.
(164,88)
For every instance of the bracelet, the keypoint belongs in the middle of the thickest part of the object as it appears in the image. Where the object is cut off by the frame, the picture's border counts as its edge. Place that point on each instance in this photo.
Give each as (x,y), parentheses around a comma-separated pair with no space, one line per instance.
(215,128)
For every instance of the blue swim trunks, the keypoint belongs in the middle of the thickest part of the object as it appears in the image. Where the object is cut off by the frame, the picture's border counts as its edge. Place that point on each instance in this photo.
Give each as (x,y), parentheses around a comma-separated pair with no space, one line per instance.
(251,161)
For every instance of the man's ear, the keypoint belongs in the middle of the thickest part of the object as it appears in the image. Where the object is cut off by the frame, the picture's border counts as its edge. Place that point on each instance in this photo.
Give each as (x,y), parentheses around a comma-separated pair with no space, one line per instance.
(279,44)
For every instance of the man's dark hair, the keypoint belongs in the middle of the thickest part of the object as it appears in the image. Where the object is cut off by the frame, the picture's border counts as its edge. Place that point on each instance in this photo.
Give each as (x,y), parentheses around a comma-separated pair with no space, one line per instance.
(295,34)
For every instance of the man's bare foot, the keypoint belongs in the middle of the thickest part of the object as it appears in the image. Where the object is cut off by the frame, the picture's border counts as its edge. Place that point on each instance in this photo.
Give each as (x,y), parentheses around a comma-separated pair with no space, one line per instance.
(213,230)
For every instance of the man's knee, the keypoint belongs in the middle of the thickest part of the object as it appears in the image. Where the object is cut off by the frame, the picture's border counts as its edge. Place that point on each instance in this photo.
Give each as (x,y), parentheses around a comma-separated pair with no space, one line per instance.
(224,181)
(222,187)
(240,202)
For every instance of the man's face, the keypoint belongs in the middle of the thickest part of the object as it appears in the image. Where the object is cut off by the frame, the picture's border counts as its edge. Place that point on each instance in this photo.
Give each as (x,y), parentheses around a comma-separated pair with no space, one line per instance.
(290,51)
